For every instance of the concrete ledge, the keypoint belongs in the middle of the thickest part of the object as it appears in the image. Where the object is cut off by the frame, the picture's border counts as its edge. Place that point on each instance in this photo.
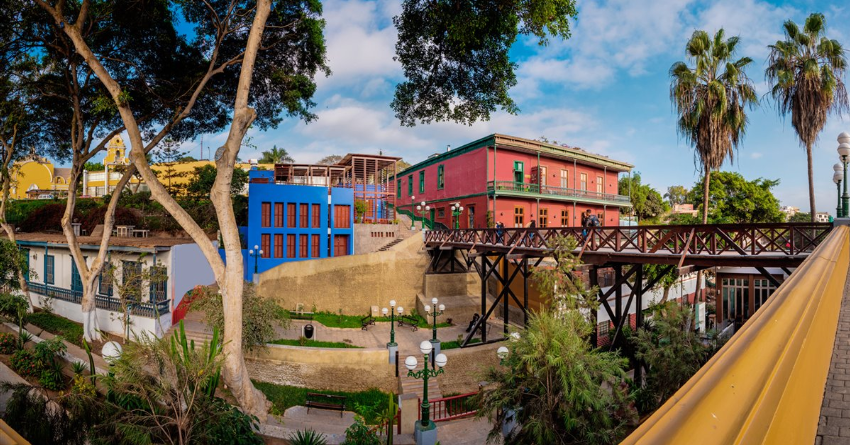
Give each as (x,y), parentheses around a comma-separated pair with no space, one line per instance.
(374,359)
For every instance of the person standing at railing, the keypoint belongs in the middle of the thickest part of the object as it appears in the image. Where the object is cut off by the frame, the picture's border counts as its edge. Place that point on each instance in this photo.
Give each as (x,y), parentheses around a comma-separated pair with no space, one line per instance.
(500,230)
(584,217)
(531,226)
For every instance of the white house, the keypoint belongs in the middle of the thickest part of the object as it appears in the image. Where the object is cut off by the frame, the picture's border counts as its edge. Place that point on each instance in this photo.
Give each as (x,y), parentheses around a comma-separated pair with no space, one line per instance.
(56,282)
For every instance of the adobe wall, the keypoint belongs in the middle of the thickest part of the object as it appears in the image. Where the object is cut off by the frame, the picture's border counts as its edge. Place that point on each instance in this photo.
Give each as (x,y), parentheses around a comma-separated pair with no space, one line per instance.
(351,283)
(371,237)
(465,368)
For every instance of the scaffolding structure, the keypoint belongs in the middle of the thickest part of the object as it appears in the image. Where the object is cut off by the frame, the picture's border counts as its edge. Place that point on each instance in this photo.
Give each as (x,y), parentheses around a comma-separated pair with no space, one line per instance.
(370,176)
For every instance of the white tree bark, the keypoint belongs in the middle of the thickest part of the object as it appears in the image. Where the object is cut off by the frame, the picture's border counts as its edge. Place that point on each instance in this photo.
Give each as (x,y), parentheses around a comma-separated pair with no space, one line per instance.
(229,277)
(6,178)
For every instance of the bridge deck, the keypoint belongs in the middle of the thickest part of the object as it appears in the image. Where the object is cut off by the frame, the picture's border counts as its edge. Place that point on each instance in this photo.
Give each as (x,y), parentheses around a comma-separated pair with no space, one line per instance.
(834,421)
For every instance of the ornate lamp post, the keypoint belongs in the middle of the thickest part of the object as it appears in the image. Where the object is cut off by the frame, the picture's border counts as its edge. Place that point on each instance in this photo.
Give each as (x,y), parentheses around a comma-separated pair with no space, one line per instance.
(836,178)
(425,431)
(457,210)
(413,212)
(435,344)
(843,153)
(256,252)
(422,208)
(392,346)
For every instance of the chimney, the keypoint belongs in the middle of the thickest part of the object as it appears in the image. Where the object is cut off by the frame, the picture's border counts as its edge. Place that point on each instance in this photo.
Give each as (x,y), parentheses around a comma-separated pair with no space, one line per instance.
(448,147)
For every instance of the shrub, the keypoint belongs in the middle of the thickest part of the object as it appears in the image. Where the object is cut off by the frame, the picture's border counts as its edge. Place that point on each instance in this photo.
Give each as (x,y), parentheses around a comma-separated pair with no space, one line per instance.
(360,434)
(25,363)
(307,437)
(46,218)
(30,415)
(96,216)
(233,427)
(8,343)
(260,315)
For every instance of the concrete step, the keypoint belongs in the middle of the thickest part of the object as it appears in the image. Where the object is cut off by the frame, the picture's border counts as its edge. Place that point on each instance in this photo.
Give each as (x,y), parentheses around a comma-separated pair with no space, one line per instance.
(459,308)
(410,385)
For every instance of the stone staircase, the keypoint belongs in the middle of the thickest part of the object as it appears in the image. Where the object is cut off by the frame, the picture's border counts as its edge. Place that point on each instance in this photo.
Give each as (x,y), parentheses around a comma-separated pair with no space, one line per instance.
(391,244)
(194,326)
(410,385)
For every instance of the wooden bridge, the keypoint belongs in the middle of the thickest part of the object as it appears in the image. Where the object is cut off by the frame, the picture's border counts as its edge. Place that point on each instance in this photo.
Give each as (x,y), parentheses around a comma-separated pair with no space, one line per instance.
(625,249)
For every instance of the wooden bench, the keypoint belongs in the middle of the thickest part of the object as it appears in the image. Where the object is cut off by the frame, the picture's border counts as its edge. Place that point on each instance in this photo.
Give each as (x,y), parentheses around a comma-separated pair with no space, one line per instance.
(325,401)
(410,321)
(366,321)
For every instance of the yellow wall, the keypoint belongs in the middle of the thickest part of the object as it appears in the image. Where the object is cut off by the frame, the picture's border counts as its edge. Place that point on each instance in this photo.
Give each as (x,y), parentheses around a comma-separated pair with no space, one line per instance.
(32,173)
(184,170)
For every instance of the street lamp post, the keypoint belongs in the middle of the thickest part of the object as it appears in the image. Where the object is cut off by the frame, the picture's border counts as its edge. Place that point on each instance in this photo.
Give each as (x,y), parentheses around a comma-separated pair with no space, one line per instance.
(413,212)
(844,152)
(425,431)
(423,208)
(435,313)
(256,252)
(836,178)
(392,346)
(510,422)
(457,210)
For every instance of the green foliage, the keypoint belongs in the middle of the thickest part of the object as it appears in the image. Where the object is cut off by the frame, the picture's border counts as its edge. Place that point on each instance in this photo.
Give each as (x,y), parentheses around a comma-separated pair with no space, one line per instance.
(312,343)
(360,209)
(78,368)
(365,403)
(307,437)
(12,260)
(672,352)
(8,343)
(805,73)
(30,415)
(734,200)
(276,156)
(711,98)
(801,217)
(669,275)
(360,434)
(25,363)
(647,203)
(57,325)
(18,211)
(455,344)
(330,159)
(260,315)
(676,194)
(558,285)
(202,179)
(233,426)
(49,364)
(93,166)
(455,55)
(568,392)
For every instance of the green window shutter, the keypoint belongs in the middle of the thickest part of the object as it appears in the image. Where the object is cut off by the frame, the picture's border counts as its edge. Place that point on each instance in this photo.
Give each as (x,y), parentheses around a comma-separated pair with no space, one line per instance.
(398,189)
(48,269)
(76,282)
(410,185)
(422,181)
(441,179)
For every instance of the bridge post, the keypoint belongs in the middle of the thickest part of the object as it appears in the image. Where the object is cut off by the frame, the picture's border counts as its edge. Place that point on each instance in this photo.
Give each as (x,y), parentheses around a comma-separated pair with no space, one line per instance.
(618,296)
(525,276)
(594,282)
(505,314)
(485,264)
(638,290)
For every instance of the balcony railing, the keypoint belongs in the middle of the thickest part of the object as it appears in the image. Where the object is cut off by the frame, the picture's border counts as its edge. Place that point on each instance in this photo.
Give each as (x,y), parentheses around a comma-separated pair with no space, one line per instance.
(146,309)
(453,407)
(510,186)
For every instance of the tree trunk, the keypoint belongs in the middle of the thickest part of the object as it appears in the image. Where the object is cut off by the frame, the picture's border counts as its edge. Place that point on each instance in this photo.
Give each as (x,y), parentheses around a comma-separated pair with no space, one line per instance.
(705,188)
(811,182)
(666,294)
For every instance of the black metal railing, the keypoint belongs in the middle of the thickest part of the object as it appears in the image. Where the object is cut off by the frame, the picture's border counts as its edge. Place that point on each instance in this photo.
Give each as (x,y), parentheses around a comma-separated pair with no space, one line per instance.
(143,309)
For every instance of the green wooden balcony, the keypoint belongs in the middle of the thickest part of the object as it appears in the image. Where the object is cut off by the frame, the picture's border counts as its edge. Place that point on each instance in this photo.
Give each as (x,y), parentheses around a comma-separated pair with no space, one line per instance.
(545,191)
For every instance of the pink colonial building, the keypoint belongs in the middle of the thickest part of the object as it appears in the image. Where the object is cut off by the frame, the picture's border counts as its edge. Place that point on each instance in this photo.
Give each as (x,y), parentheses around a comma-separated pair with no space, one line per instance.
(512,180)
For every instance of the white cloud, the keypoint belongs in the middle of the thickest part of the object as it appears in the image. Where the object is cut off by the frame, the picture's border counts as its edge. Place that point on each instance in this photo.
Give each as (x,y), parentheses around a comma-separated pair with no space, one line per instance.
(755,155)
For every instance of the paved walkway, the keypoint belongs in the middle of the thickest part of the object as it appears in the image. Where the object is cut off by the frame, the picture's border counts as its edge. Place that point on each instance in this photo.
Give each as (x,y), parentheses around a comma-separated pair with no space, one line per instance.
(834,423)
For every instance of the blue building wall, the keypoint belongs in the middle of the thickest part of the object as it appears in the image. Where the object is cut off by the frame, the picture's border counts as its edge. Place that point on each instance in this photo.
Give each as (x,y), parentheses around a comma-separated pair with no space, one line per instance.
(293,194)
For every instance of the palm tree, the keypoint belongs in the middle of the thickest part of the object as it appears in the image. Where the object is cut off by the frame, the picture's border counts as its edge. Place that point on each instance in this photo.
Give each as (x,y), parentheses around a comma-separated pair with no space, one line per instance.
(710,99)
(276,156)
(804,73)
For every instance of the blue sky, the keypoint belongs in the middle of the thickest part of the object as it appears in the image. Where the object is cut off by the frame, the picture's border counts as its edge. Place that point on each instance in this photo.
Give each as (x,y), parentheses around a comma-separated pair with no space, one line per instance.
(605,90)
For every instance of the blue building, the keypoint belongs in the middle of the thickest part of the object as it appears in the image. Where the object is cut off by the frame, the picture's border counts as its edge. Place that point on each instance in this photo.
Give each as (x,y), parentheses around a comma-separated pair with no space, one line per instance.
(298,214)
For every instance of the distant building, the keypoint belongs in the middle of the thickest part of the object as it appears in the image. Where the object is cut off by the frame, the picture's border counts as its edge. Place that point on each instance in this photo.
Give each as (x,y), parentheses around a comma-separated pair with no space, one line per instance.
(56,282)
(514,181)
(307,211)
(789,211)
(822,217)
(684,209)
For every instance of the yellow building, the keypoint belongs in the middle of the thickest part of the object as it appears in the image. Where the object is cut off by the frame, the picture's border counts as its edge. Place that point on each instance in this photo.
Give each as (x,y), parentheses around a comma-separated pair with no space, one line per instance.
(36,177)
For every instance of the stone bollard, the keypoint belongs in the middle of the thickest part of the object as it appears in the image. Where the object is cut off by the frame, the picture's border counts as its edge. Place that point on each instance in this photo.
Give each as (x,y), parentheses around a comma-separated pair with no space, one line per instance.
(409,412)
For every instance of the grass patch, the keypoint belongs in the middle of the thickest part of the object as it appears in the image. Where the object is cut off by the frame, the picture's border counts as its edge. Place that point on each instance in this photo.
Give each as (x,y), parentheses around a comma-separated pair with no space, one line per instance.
(331,320)
(454,344)
(365,403)
(58,326)
(313,343)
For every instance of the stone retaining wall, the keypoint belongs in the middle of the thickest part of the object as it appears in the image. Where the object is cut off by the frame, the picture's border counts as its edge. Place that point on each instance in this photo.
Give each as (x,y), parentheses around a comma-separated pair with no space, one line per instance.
(465,366)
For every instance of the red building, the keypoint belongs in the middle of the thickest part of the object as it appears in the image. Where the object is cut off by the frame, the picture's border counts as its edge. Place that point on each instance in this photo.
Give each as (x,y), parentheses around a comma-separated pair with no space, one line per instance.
(512,180)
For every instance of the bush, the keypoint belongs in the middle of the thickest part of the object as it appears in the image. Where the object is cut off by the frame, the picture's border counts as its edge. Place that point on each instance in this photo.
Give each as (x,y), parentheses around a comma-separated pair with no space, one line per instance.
(30,415)
(365,403)
(25,363)
(46,218)
(8,343)
(360,434)
(260,315)
(123,216)
(233,427)
(307,437)
(58,326)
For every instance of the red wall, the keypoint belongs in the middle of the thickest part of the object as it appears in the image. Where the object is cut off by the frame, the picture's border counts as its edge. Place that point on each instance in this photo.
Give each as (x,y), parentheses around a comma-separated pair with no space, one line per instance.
(468,174)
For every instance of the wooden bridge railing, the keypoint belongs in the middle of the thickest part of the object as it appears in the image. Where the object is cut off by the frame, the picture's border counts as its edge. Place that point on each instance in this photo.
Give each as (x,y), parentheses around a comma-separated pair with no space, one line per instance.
(709,239)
